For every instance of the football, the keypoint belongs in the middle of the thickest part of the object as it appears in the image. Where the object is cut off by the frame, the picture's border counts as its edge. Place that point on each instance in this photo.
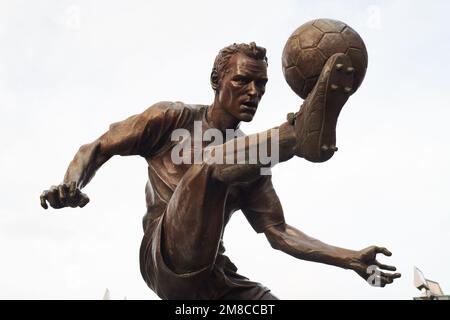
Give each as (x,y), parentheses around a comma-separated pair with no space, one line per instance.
(309,47)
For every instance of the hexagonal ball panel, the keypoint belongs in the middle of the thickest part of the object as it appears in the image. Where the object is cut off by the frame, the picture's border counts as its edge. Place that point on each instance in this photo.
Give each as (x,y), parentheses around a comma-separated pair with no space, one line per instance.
(302,28)
(295,79)
(310,62)
(290,52)
(332,43)
(353,39)
(310,37)
(329,25)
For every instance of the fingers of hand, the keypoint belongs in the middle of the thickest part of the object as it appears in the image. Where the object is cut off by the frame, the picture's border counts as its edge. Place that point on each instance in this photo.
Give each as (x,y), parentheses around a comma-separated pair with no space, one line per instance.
(391,276)
(388,278)
(382,279)
(385,280)
(395,275)
(63,193)
(44,199)
(385,266)
(73,195)
(84,200)
(384,251)
(74,199)
(53,198)
(72,189)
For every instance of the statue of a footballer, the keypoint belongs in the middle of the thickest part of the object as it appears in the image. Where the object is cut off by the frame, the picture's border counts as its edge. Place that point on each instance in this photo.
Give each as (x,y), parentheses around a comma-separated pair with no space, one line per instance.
(189,204)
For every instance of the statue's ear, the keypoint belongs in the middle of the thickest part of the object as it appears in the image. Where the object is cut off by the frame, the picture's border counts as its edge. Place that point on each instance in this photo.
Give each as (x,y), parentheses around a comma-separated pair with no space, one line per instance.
(214,80)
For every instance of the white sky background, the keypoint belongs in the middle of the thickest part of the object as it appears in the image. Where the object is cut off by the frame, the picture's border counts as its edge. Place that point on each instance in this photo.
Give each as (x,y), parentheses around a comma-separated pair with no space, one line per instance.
(70,68)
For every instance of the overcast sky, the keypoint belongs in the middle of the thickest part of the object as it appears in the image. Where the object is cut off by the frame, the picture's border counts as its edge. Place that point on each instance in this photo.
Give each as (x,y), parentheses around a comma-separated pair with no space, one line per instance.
(70,68)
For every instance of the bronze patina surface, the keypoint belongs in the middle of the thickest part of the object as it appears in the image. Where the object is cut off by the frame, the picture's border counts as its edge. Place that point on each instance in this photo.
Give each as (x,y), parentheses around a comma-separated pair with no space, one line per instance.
(189,204)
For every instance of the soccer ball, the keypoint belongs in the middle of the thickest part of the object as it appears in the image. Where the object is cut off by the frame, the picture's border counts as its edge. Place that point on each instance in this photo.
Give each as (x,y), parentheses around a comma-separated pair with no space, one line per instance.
(309,47)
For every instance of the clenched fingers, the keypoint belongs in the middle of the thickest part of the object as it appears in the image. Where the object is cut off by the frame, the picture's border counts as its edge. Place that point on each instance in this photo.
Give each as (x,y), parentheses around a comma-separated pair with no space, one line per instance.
(53,198)
(72,189)
(84,200)
(63,192)
(64,195)
(44,199)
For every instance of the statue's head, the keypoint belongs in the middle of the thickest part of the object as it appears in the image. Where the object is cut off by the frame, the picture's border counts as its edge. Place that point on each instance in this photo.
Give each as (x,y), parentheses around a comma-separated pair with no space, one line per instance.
(238,77)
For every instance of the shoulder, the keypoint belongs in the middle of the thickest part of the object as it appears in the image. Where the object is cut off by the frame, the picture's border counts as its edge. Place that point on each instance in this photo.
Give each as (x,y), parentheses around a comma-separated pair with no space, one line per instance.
(169,109)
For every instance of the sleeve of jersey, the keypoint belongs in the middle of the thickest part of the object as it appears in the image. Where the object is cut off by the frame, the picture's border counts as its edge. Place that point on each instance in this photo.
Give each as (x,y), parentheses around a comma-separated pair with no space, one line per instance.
(146,133)
(261,205)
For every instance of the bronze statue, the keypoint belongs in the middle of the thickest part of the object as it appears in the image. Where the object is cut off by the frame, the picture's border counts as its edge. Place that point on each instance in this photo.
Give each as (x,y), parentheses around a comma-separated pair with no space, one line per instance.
(190,203)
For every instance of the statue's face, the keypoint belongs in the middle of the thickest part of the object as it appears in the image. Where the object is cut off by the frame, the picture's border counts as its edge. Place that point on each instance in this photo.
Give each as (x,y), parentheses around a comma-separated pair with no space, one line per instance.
(243,86)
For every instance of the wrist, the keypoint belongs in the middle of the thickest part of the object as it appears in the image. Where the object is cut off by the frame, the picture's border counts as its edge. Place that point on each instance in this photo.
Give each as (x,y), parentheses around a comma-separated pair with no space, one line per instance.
(349,260)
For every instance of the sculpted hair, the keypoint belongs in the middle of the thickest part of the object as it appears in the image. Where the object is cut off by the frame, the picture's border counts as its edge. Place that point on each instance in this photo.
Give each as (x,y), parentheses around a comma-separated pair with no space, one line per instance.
(221,62)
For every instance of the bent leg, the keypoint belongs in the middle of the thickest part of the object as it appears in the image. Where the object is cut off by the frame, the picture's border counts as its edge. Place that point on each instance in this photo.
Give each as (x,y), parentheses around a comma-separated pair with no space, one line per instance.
(194,220)
(193,223)
(241,159)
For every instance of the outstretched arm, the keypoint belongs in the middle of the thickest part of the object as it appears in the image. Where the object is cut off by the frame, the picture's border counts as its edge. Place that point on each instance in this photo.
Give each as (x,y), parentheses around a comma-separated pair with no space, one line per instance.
(294,242)
(136,135)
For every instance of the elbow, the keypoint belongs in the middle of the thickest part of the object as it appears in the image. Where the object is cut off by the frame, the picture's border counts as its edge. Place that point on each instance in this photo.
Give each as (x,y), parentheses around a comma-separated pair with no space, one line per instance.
(275,238)
(90,148)
(94,153)
(275,245)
